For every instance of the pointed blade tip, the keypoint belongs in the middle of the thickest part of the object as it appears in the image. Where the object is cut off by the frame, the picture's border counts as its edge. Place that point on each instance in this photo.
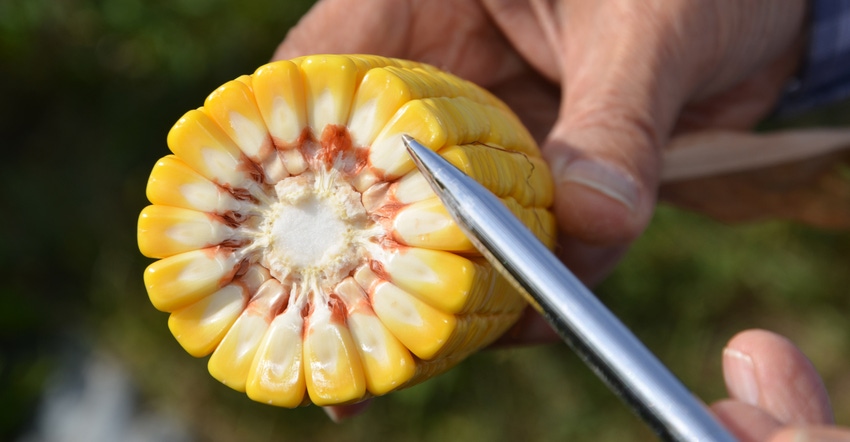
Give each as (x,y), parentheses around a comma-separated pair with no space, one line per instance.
(414,149)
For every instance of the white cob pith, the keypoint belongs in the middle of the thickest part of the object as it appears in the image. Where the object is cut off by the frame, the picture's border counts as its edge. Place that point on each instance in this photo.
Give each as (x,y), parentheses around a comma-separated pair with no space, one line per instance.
(299,245)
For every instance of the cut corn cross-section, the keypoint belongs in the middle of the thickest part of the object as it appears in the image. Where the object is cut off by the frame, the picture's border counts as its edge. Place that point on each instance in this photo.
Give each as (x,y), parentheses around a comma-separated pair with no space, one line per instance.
(299,246)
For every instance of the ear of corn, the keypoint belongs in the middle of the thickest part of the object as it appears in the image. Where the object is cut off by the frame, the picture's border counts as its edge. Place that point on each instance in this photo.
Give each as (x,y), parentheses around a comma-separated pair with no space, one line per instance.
(299,247)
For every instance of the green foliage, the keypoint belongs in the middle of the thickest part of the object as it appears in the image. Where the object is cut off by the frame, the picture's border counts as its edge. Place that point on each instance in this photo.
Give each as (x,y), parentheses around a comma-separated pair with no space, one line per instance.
(90,88)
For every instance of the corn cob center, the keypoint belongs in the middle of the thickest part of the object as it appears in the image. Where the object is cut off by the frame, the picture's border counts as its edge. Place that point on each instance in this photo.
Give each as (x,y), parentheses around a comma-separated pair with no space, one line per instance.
(316,232)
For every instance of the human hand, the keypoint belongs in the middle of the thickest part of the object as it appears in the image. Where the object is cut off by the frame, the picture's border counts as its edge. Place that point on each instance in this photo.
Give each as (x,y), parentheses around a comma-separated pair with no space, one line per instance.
(602,85)
(775,393)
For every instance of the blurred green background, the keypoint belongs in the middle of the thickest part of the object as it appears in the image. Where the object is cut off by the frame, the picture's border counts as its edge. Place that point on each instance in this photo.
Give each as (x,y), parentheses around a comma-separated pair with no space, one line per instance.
(88,90)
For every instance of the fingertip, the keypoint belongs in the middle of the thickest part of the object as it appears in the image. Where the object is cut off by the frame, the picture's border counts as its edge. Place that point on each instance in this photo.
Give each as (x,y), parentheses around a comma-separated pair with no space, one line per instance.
(768,370)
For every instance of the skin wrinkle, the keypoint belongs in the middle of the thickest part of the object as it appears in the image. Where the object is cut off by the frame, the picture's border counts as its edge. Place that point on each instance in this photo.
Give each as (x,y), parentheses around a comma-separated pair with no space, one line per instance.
(797,394)
(778,401)
(753,22)
(545,12)
(600,117)
(630,69)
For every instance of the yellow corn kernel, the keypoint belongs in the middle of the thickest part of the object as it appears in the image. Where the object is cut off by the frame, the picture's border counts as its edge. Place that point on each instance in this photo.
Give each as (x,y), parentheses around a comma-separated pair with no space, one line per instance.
(276,375)
(301,248)
(182,279)
(279,92)
(441,279)
(166,231)
(387,364)
(233,107)
(330,82)
(332,365)
(200,142)
(231,361)
(506,173)
(421,328)
(173,183)
(199,327)
(428,224)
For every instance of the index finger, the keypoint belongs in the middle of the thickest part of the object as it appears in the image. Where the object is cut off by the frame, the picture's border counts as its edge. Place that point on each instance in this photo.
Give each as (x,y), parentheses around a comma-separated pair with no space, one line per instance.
(346,26)
(453,35)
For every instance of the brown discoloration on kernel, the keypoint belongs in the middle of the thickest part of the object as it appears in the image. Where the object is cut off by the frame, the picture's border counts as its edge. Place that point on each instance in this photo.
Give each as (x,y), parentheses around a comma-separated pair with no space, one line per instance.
(336,143)
(306,134)
(338,151)
(230,218)
(388,210)
(212,252)
(377,267)
(392,245)
(234,243)
(248,167)
(267,149)
(306,311)
(222,219)
(237,193)
(338,310)
(384,210)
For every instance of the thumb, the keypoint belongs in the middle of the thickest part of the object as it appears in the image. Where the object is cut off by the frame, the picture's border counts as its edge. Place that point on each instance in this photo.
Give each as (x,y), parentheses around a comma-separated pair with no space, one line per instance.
(606,166)
(606,173)
(606,169)
(620,97)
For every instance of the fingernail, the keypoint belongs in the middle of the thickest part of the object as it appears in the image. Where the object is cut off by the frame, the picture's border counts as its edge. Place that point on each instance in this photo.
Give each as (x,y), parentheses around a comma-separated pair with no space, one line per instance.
(600,176)
(740,375)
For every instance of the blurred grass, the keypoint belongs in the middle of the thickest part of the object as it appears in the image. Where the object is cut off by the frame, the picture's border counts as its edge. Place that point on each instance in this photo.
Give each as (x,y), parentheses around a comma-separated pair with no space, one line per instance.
(88,91)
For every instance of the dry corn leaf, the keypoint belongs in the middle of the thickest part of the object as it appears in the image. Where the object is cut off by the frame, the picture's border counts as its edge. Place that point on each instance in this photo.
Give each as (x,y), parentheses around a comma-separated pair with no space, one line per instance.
(799,175)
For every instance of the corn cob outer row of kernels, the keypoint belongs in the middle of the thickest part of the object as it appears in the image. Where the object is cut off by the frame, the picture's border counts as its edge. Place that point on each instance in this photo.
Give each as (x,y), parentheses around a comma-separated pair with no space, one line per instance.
(299,247)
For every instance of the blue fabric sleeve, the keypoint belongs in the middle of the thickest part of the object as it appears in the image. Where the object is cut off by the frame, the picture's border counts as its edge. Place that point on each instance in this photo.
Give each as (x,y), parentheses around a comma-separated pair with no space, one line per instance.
(824,76)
